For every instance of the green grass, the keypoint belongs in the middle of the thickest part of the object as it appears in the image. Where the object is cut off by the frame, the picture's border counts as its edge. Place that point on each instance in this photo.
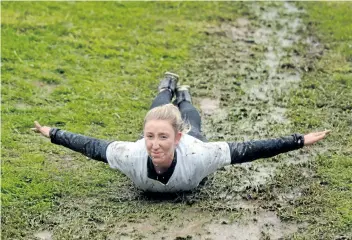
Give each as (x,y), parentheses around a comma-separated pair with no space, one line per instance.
(90,68)
(93,68)
(328,200)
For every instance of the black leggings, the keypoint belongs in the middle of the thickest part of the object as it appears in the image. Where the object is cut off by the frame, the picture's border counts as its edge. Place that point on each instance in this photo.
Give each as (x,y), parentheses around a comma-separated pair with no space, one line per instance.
(188,112)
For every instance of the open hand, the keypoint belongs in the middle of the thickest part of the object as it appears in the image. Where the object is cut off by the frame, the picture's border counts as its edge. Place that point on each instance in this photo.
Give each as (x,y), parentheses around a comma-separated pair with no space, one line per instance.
(311,138)
(44,130)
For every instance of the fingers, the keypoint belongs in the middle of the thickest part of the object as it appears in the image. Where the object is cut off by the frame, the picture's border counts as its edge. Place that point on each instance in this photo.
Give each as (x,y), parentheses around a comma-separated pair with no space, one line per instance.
(316,134)
(314,137)
(320,135)
(324,133)
(37,125)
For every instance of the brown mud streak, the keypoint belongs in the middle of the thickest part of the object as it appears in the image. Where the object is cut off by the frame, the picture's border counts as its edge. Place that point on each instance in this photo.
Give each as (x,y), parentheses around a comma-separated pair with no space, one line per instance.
(253,111)
(243,104)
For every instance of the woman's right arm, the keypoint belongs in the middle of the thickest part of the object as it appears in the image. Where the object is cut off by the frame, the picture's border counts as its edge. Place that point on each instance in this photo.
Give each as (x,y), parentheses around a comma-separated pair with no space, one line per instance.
(90,147)
(252,150)
(248,151)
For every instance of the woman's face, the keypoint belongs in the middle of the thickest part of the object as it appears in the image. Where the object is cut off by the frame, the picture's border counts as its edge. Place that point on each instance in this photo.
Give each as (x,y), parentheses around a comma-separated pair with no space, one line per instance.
(161,141)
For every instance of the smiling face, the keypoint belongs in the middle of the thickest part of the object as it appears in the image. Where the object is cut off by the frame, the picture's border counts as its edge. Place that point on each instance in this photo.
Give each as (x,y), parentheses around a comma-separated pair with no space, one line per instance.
(161,140)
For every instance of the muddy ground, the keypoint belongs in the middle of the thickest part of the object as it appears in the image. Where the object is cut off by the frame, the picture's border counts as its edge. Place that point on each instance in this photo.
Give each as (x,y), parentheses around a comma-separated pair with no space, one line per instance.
(240,83)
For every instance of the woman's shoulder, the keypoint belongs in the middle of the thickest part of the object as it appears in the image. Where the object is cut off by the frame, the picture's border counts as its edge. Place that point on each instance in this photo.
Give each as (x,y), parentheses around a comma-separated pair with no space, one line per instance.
(190,142)
(204,153)
(138,145)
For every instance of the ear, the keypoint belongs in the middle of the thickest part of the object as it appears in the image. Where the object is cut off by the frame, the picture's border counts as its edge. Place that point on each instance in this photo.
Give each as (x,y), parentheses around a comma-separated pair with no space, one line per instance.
(178,137)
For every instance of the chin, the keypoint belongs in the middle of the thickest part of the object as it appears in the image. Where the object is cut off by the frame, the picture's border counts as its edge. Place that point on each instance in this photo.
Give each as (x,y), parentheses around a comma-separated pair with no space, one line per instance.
(157,160)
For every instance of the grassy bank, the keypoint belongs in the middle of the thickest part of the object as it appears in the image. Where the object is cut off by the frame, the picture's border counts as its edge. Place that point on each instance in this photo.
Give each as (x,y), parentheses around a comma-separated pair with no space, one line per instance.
(324,101)
(90,68)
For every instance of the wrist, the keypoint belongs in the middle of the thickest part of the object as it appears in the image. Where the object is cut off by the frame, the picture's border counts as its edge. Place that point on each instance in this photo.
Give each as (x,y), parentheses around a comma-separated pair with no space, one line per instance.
(300,140)
(52,132)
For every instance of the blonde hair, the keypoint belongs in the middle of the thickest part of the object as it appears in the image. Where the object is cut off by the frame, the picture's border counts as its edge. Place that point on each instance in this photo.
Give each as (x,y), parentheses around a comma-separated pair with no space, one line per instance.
(171,113)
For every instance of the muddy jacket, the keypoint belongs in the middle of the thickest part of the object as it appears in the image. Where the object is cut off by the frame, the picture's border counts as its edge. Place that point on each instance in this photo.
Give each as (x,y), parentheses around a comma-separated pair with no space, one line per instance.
(193,161)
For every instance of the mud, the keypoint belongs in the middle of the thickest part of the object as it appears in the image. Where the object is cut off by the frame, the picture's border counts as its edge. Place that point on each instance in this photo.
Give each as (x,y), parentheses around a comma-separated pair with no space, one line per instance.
(44,87)
(44,235)
(22,106)
(241,96)
(209,106)
(195,225)
(260,50)
(257,226)
(250,89)
(204,226)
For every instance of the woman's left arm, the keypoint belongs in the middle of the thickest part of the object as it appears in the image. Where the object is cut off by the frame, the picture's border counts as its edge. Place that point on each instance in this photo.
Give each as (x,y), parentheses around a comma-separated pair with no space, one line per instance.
(252,150)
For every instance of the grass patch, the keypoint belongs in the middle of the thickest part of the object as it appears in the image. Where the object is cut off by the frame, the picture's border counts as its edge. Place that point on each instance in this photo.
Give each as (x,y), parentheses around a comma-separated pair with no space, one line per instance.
(90,68)
(324,100)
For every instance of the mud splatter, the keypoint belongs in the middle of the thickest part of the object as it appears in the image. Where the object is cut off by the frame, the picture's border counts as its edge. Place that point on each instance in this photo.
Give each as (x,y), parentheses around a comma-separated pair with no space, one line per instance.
(44,235)
(209,106)
(22,106)
(262,225)
(198,225)
(45,88)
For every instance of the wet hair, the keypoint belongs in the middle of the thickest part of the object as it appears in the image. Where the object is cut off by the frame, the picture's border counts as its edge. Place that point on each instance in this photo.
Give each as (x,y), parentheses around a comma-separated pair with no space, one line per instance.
(171,113)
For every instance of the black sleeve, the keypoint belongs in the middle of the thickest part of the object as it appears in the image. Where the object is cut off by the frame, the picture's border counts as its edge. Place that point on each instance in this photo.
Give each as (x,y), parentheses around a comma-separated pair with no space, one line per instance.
(252,150)
(91,147)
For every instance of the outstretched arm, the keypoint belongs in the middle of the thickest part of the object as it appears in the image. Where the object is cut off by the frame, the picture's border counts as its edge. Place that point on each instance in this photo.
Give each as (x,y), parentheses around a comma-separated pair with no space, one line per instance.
(91,147)
(252,150)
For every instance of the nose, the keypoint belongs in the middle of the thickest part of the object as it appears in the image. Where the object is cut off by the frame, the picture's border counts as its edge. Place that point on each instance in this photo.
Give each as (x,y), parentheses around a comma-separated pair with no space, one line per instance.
(155,144)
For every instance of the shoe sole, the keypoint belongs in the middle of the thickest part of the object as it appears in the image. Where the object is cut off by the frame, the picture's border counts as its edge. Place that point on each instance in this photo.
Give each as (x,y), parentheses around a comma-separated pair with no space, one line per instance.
(172,74)
(183,88)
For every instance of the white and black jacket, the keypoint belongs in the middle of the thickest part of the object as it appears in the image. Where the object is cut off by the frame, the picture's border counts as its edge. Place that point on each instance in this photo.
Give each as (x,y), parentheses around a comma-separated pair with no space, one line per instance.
(193,160)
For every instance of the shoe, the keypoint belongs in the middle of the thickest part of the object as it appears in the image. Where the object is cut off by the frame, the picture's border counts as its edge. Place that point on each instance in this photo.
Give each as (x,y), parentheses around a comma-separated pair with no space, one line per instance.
(169,82)
(182,94)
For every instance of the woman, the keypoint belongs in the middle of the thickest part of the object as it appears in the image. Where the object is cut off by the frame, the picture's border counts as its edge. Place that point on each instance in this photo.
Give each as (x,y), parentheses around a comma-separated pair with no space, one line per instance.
(173,156)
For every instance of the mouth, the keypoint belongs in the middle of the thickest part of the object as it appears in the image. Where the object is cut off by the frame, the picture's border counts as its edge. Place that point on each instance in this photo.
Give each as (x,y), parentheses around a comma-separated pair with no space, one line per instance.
(156,154)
